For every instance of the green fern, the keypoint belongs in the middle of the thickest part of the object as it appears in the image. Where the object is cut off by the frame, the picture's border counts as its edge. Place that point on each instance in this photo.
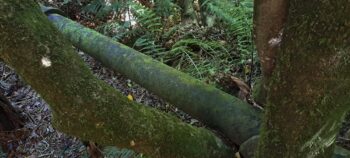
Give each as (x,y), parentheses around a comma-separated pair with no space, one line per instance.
(165,8)
(192,49)
(114,152)
(191,55)
(148,45)
(239,19)
(147,30)
(150,29)
(102,8)
(146,18)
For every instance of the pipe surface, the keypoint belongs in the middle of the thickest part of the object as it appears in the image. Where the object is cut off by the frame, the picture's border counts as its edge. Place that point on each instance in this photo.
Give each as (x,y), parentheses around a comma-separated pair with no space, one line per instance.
(217,109)
(236,119)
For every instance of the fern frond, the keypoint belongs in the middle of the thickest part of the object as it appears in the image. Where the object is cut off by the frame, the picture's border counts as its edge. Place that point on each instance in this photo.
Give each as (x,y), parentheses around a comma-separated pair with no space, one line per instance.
(192,56)
(146,18)
(101,8)
(239,19)
(165,8)
(120,153)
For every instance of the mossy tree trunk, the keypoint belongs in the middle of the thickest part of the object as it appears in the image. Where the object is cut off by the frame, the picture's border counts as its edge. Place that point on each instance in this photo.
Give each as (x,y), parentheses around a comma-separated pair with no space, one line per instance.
(84,106)
(188,14)
(310,87)
(269,20)
(207,18)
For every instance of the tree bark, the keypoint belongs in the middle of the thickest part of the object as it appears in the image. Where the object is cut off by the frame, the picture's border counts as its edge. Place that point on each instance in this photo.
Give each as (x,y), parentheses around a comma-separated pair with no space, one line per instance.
(84,106)
(310,87)
(188,14)
(207,19)
(269,20)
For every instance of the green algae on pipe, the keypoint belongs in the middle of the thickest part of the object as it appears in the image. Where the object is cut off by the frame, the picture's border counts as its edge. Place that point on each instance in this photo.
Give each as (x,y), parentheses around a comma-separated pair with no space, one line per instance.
(219,110)
(84,106)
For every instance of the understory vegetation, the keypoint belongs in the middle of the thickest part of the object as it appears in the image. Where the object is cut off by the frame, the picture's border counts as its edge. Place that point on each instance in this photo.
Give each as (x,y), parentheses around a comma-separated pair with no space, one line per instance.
(215,45)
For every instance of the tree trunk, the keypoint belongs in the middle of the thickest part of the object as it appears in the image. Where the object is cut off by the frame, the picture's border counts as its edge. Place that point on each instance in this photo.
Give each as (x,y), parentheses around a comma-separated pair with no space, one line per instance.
(207,19)
(269,20)
(310,87)
(84,106)
(188,14)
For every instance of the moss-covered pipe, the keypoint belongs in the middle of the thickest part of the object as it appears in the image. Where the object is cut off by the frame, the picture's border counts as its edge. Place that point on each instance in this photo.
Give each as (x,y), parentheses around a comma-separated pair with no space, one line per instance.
(219,110)
(85,106)
(243,128)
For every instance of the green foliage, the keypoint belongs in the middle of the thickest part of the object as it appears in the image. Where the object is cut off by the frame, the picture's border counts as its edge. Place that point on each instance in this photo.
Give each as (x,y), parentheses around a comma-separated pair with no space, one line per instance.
(165,8)
(150,28)
(101,8)
(144,35)
(148,45)
(198,50)
(197,53)
(120,153)
(238,19)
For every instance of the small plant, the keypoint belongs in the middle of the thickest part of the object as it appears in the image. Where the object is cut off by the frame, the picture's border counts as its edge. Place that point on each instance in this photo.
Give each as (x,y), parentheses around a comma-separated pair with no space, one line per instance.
(157,30)
(238,19)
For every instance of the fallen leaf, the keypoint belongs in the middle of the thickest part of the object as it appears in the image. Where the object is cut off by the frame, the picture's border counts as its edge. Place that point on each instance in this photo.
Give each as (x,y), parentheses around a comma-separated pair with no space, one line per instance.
(244,89)
(130,97)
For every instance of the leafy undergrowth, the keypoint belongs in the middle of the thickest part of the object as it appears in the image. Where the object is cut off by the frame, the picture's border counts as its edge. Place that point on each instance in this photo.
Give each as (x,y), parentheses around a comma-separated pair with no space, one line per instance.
(205,52)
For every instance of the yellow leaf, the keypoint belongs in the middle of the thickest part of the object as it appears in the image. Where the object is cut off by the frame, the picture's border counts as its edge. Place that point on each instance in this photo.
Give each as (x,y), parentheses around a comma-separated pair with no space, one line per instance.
(130,97)
(247,69)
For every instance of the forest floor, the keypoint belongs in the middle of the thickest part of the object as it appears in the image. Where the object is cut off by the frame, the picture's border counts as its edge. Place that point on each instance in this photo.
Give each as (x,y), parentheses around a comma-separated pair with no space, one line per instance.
(45,141)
